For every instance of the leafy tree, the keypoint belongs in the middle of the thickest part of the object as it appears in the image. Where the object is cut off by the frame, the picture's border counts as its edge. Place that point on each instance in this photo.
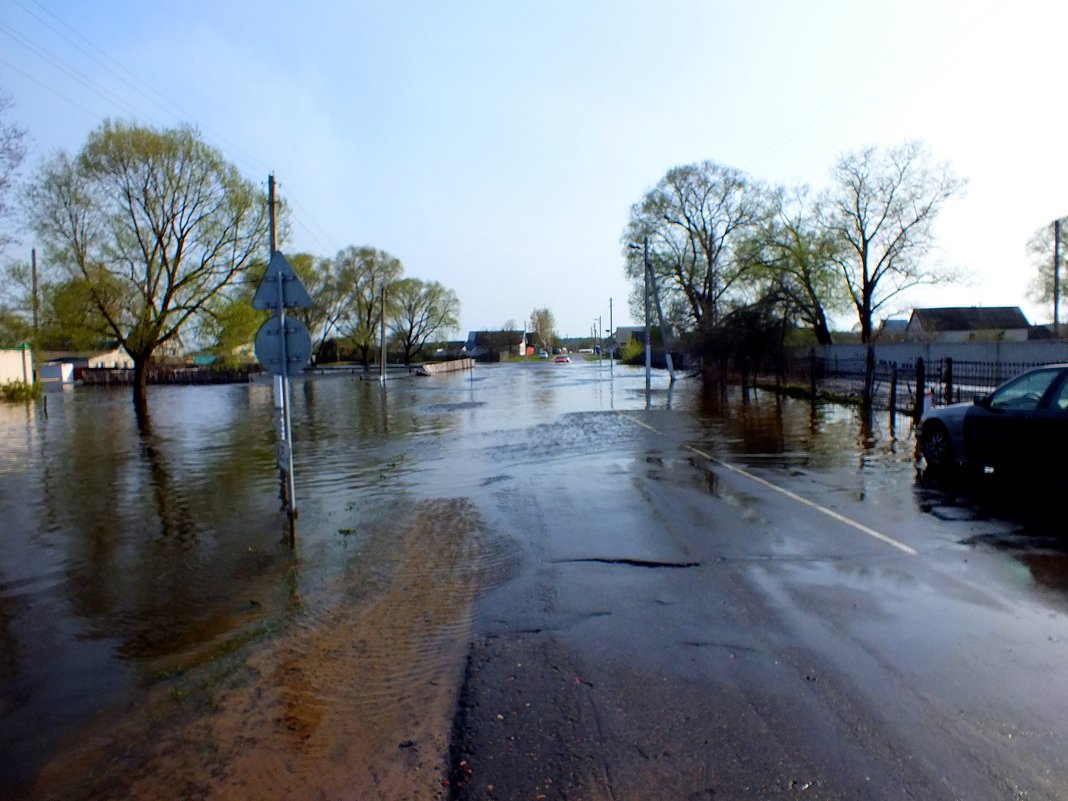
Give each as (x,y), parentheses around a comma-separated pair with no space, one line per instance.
(14,329)
(693,218)
(233,326)
(332,294)
(543,326)
(420,310)
(70,318)
(880,211)
(156,223)
(362,273)
(798,264)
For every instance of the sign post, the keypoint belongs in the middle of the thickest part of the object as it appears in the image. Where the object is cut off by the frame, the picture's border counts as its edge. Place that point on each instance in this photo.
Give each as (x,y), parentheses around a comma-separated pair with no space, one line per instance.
(283,346)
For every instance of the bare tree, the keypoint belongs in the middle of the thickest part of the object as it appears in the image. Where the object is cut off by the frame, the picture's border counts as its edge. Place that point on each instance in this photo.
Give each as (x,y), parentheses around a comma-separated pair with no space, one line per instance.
(881,209)
(156,223)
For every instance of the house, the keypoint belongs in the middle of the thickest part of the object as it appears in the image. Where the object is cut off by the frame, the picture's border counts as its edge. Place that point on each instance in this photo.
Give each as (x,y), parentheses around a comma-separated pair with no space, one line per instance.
(968,324)
(625,333)
(492,346)
(113,357)
(16,365)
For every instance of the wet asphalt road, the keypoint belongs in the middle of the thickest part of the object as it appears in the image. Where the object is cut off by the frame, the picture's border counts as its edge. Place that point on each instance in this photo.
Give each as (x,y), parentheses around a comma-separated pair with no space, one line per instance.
(700,615)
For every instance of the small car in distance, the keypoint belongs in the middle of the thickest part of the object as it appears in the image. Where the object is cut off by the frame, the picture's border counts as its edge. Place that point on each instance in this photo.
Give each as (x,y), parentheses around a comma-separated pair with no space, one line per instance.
(563,358)
(1020,427)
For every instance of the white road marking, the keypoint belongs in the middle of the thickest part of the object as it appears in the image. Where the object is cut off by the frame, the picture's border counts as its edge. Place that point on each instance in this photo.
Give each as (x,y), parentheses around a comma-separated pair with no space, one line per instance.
(794,496)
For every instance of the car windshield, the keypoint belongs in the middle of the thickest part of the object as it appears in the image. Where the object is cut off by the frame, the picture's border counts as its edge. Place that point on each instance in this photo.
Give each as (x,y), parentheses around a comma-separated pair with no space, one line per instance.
(1025,392)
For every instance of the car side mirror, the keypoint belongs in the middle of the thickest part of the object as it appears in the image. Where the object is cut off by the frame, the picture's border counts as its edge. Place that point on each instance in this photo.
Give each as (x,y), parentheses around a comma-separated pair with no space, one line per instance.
(982,400)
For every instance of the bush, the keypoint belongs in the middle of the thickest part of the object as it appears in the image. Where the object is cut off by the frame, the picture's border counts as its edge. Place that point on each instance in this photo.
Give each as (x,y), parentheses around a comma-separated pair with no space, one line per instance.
(20,391)
(633,352)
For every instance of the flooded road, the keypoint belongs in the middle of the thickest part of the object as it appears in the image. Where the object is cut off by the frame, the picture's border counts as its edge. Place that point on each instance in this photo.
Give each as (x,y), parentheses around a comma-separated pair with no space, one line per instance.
(686,628)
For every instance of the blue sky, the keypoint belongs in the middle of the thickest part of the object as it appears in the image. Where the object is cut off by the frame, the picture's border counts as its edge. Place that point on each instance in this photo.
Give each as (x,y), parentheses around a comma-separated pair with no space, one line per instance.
(497,147)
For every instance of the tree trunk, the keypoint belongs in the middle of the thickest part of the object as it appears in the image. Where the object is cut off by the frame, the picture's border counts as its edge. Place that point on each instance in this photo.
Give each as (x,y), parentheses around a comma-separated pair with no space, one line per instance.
(869,379)
(821,329)
(140,386)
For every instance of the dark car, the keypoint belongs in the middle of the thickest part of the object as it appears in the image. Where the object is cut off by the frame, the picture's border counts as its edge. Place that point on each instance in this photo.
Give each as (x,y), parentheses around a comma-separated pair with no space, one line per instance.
(1022,426)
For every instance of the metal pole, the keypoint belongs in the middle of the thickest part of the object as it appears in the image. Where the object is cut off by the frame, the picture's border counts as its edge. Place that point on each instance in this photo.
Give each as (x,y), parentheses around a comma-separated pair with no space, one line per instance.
(648,331)
(663,327)
(382,335)
(285,430)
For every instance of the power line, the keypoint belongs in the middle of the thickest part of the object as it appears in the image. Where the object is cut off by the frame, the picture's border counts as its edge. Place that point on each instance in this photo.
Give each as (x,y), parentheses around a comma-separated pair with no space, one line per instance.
(304,220)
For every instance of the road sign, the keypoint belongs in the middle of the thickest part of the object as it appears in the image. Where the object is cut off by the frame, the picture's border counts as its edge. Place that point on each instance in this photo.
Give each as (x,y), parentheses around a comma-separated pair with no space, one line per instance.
(298,346)
(266,297)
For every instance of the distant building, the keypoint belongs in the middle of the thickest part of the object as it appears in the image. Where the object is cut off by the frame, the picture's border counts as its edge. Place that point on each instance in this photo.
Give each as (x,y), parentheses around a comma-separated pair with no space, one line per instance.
(969,324)
(625,333)
(892,331)
(492,346)
(113,357)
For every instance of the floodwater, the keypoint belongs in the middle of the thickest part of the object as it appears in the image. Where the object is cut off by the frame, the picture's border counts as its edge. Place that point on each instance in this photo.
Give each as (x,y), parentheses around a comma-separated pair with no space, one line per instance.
(160,637)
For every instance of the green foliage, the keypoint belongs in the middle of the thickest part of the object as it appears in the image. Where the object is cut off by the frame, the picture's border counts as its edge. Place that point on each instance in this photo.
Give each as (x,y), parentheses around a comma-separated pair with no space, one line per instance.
(359,274)
(20,391)
(231,328)
(633,352)
(420,310)
(155,223)
(543,326)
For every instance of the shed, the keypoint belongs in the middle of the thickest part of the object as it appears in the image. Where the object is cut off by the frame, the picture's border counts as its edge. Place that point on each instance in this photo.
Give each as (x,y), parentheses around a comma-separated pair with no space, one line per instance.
(16,365)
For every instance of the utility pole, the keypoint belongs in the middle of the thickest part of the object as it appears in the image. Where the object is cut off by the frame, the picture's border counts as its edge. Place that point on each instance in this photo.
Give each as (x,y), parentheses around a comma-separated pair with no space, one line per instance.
(1056,278)
(648,330)
(36,297)
(612,334)
(382,335)
(663,327)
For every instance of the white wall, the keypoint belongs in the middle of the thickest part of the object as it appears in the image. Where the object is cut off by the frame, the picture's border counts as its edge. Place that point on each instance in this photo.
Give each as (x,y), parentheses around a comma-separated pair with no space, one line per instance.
(116,358)
(1035,351)
(16,365)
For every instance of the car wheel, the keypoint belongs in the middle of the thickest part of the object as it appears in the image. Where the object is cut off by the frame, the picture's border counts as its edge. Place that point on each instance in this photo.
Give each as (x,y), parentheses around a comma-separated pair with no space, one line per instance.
(937,449)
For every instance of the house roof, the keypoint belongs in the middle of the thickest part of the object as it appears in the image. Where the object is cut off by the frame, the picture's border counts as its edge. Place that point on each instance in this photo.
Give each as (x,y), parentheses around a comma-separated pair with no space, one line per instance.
(893,326)
(970,318)
(494,339)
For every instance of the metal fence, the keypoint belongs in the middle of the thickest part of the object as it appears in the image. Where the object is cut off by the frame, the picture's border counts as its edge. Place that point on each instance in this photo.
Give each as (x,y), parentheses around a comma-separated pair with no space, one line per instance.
(902,387)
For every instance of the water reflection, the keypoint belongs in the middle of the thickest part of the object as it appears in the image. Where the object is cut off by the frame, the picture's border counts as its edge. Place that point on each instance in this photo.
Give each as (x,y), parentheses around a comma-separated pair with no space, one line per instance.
(1021,518)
